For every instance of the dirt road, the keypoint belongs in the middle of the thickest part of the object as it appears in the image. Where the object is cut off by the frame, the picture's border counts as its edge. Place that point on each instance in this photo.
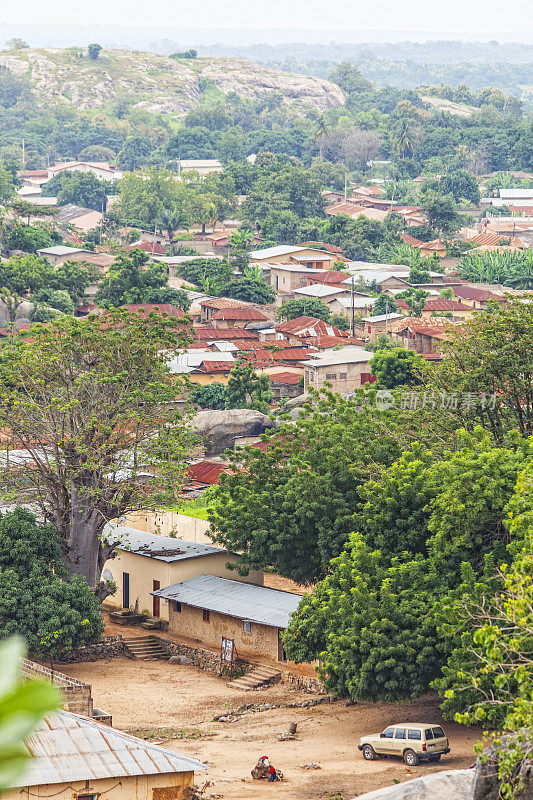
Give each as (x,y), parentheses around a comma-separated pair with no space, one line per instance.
(159,699)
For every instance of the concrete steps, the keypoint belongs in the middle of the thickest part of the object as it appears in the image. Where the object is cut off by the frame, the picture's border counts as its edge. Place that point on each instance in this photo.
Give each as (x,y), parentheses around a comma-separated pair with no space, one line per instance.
(257,677)
(144,648)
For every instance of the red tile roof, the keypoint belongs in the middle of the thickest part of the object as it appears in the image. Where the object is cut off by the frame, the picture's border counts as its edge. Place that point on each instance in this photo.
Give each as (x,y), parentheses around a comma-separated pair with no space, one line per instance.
(207,472)
(149,247)
(209,333)
(216,366)
(239,313)
(143,309)
(329,276)
(224,302)
(310,326)
(330,248)
(438,305)
(410,240)
(289,378)
(434,246)
(473,293)
(329,341)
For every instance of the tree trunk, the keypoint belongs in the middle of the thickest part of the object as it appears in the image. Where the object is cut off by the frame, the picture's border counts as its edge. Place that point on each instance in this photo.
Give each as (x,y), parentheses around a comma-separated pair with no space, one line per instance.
(83,542)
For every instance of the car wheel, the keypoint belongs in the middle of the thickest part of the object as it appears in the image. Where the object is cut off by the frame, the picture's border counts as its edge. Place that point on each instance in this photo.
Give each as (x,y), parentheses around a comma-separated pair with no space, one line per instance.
(410,758)
(369,754)
(435,758)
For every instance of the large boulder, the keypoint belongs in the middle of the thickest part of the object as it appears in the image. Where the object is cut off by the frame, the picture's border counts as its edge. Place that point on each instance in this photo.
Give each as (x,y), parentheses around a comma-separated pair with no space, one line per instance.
(450,784)
(487,784)
(220,429)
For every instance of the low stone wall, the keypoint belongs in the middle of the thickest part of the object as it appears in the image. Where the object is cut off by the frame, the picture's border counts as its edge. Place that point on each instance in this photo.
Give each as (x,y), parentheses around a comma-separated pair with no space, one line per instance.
(204,659)
(304,683)
(107,647)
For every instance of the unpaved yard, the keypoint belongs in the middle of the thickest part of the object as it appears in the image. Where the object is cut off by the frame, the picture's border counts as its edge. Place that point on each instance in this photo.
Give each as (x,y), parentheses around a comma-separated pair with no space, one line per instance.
(145,695)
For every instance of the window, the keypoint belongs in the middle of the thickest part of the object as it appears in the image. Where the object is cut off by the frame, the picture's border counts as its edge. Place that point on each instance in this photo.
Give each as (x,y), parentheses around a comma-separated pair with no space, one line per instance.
(438,733)
(342,376)
(388,734)
(429,734)
(331,376)
(246,626)
(400,733)
(86,797)
(205,614)
(177,606)
(412,734)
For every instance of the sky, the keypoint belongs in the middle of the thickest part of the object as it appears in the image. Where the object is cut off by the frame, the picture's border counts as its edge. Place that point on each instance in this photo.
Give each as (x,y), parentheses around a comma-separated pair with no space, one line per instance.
(473,18)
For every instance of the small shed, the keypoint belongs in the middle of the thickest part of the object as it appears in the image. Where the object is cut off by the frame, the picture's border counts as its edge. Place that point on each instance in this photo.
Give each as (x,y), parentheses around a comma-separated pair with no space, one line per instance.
(207,608)
(146,561)
(76,758)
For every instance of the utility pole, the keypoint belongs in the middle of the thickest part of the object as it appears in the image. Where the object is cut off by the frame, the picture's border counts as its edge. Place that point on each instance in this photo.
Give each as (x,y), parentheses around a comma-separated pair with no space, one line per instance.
(24,154)
(386,316)
(353,308)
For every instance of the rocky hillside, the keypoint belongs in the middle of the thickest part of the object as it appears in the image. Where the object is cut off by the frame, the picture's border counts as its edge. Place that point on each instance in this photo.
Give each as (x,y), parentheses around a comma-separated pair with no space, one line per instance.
(157,83)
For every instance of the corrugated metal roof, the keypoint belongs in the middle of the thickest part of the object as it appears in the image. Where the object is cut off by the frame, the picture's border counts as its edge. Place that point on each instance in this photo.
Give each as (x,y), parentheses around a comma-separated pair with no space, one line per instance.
(239,313)
(162,548)
(67,747)
(235,598)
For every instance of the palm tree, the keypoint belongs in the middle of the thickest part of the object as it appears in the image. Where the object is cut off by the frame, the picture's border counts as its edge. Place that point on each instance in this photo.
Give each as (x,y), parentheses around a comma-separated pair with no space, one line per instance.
(321,131)
(171,219)
(404,136)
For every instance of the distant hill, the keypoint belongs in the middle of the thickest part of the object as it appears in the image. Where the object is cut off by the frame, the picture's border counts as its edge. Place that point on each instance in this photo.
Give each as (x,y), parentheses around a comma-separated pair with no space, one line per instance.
(157,83)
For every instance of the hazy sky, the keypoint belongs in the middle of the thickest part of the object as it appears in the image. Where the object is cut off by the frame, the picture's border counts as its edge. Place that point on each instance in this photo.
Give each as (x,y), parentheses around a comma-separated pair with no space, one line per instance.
(461,16)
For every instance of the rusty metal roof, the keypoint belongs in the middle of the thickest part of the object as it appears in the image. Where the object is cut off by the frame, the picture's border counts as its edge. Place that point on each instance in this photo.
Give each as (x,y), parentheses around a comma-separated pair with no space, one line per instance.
(67,747)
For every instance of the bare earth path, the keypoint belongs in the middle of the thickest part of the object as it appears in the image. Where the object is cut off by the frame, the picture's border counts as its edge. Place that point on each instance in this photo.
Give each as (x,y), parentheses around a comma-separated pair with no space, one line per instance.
(155,694)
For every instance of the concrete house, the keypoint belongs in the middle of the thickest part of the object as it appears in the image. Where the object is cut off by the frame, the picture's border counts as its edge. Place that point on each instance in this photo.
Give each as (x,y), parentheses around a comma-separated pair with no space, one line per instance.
(102,170)
(60,253)
(207,608)
(146,561)
(308,257)
(75,758)
(371,327)
(347,369)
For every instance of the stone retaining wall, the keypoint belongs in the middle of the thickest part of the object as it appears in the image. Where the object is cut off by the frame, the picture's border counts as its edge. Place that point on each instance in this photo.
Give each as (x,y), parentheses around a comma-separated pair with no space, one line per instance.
(204,659)
(306,684)
(107,647)
(76,695)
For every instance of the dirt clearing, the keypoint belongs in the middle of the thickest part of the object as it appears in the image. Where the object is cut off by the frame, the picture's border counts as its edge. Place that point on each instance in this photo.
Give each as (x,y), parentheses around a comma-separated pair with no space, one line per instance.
(160,699)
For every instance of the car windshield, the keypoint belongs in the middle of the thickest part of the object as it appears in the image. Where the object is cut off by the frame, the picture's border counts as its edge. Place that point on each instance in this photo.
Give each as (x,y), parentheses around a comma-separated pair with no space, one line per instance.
(388,734)
(438,733)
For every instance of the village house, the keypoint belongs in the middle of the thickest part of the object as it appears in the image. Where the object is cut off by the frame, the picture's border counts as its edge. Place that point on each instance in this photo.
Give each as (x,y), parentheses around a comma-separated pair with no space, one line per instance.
(210,305)
(320,292)
(308,257)
(60,253)
(422,336)
(76,758)
(236,317)
(202,166)
(343,304)
(146,561)
(83,219)
(207,609)
(302,328)
(439,306)
(477,298)
(371,327)
(347,369)
(102,170)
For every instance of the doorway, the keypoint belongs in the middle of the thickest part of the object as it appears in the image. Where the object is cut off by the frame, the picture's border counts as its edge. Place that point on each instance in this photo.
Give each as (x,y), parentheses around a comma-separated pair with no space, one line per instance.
(125,590)
(156,601)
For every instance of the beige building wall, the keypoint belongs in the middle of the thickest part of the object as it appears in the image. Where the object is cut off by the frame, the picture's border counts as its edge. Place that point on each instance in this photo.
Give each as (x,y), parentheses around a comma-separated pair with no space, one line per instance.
(171,786)
(143,571)
(344,378)
(164,523)
(261,642)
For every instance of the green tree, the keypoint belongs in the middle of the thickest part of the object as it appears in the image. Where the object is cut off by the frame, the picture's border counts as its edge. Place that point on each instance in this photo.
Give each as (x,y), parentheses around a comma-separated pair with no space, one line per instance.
(80,188)
(172,219)
(247,389)
(214,396)
(102,419)
(135,152)
(441,213)
(250,290)
(93,51)
(415,300)
(16,44)
(461,184)
(384,304)
(7,189)
(30,238)
(307,307)
(20,278)
(418,274)
(37,600)
(22,707)
(130,281)
(397,367)
(292,507)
